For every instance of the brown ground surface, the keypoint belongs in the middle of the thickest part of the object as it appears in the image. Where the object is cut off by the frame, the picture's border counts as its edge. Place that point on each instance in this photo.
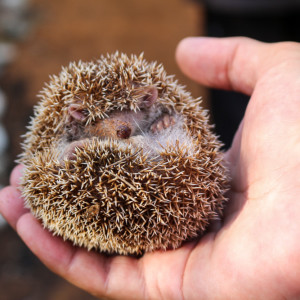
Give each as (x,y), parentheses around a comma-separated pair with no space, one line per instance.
(64,31)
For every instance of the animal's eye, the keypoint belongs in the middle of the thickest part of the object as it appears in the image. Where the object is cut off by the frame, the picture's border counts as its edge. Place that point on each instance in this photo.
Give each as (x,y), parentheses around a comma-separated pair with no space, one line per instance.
(123,132)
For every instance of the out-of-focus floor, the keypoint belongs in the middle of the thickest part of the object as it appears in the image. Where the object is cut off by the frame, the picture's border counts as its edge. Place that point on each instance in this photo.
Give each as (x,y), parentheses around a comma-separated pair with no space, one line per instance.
(58,32)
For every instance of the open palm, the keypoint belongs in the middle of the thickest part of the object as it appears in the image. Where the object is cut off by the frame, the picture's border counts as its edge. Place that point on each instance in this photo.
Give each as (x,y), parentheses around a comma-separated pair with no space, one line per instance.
(255,254)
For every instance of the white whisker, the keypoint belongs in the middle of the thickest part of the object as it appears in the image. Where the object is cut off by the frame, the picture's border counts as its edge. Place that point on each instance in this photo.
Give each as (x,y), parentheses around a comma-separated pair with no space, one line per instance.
(143,133)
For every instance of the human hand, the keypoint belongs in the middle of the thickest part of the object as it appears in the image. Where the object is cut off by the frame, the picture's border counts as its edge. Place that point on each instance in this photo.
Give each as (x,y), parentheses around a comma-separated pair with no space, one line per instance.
(255,254)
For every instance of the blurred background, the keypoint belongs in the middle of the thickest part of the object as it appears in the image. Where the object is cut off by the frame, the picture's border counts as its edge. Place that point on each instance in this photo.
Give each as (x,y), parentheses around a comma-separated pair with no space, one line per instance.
(37,37)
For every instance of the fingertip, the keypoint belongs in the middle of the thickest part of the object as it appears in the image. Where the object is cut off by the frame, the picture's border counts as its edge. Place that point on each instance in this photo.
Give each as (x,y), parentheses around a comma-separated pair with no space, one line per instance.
(52,250)
(188,43)
(226,63)
(77,265)
(202,59)
(11,205)
(184,50)
(180,49)
(16,174)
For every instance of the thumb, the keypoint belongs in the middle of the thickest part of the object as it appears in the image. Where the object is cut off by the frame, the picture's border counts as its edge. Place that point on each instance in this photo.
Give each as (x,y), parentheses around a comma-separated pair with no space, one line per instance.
(227,63)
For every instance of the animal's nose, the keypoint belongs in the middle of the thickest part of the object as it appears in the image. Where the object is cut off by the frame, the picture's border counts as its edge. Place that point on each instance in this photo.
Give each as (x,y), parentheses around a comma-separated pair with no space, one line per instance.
(123,132)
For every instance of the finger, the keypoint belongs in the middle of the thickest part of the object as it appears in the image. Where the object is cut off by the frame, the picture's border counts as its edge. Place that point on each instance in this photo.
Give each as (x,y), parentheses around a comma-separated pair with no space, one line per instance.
(164,271)
(91,271)
(59,256)
(119,277)
(16,174)
(228,63)
(11,205)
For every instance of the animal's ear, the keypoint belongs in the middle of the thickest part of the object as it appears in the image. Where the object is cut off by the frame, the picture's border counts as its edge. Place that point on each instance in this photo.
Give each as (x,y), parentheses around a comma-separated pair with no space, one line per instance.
(147,96)
(76,112)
